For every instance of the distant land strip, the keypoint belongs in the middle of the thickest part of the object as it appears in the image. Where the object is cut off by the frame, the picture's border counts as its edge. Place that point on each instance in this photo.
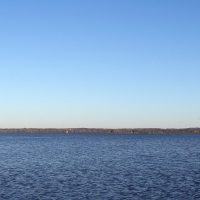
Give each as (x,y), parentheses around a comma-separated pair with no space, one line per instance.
(102,130)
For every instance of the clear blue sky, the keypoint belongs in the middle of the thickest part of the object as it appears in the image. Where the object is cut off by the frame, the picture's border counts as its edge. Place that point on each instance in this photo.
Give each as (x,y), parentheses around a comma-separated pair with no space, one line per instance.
(100,63)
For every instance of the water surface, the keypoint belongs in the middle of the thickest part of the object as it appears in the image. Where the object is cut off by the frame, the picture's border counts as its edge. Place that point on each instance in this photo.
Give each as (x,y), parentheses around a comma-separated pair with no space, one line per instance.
(94,166)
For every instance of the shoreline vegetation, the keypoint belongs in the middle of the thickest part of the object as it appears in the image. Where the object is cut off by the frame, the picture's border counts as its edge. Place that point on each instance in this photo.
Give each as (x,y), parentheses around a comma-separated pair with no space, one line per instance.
(102,130)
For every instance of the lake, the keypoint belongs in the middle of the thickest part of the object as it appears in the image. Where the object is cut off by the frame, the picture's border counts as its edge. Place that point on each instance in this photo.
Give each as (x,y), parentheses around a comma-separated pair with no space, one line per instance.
(99,166)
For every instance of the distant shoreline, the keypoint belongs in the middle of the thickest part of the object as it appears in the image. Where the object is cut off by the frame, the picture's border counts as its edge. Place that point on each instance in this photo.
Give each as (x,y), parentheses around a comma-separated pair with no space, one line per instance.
(106,130)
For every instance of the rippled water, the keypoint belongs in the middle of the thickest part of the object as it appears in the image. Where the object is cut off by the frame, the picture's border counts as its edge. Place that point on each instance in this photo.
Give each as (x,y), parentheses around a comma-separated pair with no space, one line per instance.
(92,166)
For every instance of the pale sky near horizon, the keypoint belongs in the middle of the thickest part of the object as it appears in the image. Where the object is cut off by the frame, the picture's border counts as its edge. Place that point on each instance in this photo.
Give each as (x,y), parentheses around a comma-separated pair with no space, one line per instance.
(99,63)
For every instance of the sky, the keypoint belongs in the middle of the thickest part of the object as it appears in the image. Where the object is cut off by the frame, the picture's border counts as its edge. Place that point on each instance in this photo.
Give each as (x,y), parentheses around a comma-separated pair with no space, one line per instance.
(99,64)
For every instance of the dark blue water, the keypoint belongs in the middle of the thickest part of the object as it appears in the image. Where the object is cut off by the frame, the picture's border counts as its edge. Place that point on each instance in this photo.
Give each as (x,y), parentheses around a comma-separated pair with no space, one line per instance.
(75,166)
